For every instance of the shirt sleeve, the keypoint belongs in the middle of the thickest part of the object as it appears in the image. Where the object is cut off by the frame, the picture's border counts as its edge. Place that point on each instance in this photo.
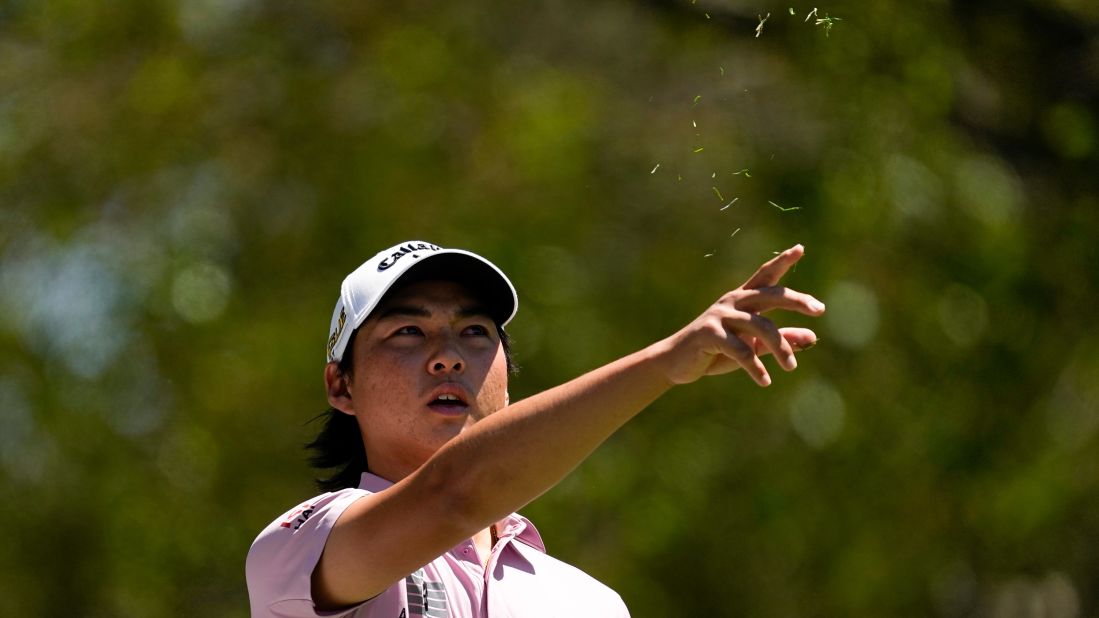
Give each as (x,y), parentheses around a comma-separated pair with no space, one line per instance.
(280,563)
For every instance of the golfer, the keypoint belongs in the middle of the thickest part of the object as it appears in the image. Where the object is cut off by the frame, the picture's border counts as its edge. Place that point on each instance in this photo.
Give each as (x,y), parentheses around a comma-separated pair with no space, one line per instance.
(431,460)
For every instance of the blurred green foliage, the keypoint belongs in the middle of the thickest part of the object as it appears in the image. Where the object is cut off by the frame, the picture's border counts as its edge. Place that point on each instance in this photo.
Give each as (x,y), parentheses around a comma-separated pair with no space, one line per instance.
(183,185)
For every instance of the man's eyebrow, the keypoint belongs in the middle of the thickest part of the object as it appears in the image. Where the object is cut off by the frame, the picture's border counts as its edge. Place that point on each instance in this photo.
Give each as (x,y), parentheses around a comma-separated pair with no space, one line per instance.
(422,312)
(403,310)
(473,310)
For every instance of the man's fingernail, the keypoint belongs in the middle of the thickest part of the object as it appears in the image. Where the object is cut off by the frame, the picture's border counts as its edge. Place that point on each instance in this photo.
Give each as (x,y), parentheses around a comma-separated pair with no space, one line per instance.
(816,305)
(792,363)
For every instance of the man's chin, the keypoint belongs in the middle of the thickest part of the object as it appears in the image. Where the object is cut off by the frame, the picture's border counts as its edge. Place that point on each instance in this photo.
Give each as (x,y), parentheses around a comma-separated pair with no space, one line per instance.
(475,414)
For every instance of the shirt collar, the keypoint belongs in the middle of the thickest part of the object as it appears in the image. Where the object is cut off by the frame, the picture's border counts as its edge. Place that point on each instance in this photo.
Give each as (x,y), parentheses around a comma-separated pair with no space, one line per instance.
(523,530)
(515,523)
(373,483)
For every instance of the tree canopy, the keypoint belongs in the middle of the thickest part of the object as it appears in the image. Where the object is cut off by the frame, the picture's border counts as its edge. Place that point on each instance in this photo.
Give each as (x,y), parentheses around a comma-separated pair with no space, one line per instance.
(183,186)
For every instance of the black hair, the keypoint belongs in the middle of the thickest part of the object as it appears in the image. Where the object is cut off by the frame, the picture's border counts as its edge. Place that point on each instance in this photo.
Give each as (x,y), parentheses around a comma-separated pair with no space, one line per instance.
(339,446)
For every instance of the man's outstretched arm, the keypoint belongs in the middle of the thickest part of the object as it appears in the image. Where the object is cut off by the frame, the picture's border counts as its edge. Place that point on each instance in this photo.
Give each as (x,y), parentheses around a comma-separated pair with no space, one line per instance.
(510,457)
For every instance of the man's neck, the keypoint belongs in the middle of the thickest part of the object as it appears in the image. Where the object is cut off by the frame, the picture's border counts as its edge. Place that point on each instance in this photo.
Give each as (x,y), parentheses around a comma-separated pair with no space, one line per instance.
(483,543)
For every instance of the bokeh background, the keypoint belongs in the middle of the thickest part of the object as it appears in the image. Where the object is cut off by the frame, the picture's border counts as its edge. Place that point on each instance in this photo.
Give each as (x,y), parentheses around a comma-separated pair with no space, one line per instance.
(183,186)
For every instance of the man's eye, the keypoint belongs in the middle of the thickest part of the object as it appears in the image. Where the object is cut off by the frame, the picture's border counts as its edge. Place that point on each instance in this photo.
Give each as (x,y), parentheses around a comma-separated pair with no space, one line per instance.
(477,330)
(408,330)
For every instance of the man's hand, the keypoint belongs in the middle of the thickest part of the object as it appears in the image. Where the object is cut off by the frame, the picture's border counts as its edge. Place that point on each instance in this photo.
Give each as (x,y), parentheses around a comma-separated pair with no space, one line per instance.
(733,334)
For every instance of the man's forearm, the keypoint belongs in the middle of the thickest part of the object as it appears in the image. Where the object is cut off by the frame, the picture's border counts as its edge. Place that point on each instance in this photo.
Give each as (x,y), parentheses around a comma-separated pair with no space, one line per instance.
(504,461)
(509,458)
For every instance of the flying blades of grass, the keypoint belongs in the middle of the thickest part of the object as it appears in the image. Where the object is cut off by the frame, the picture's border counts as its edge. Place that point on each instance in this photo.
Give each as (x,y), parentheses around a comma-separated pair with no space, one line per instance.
(762,20)
(782,208)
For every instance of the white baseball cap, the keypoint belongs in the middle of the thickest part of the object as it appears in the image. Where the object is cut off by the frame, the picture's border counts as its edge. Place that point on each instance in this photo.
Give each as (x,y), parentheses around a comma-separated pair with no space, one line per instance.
(415,260)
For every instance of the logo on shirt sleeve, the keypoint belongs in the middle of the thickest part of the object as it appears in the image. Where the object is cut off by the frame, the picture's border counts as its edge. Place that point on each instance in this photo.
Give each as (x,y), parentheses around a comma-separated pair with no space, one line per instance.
(296,518)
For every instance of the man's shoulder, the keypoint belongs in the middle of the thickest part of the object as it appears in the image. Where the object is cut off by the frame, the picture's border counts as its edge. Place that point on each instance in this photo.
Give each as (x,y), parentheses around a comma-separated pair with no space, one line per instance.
(301,531)
(283,555)
(298,517)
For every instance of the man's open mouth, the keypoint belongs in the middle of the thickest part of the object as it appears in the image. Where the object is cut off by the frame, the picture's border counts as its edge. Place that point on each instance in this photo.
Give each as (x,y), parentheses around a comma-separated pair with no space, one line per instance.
(448,403)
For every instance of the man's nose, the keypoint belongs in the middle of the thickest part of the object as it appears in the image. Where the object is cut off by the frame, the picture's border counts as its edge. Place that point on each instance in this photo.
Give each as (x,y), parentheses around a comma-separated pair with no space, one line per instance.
(447,359)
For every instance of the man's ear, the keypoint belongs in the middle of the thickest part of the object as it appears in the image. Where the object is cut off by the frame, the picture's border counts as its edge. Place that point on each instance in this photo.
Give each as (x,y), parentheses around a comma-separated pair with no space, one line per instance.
(338,387)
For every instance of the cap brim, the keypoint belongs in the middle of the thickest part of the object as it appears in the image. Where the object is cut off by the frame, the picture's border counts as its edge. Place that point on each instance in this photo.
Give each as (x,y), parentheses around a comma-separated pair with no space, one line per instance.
(483,280)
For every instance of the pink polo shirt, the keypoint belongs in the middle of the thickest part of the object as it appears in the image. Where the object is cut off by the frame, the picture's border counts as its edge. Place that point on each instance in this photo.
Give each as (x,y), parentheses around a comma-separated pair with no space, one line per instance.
(519,581)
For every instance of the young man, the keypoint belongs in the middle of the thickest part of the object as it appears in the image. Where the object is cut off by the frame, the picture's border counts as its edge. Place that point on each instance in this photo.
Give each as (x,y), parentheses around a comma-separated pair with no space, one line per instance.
(424,524)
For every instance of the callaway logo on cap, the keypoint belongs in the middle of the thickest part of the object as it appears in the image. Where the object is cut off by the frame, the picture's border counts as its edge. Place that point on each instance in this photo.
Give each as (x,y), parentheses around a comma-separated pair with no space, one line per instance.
(415,260)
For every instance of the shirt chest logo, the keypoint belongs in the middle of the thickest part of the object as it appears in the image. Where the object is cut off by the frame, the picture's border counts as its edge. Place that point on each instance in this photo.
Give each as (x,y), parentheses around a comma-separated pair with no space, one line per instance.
(425,598)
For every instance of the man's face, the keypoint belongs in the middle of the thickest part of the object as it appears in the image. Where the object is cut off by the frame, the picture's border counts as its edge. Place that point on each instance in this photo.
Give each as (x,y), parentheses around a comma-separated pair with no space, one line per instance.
(427,363)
